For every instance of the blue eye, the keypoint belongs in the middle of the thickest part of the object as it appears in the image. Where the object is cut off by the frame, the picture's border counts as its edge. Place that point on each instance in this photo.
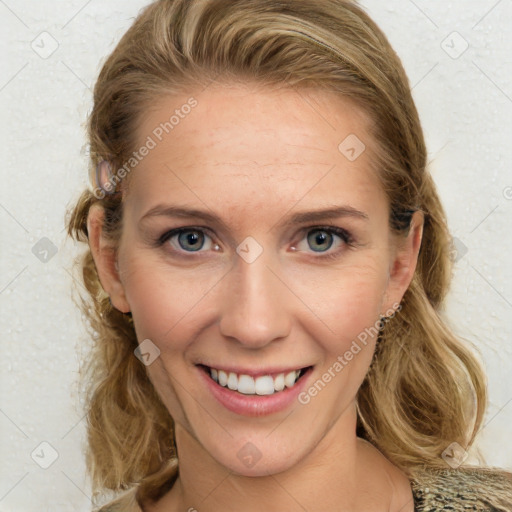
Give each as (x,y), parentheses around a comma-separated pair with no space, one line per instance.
(188,239)
(320,240)
(320,237)
(193,239)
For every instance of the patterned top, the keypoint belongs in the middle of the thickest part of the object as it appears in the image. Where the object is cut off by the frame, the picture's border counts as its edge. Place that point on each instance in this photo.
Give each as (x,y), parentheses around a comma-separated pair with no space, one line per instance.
(468,489)
(465,489)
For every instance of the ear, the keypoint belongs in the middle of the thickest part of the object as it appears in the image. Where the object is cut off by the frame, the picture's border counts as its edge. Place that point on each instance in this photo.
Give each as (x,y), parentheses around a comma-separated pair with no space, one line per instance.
(404,258)
(105,259)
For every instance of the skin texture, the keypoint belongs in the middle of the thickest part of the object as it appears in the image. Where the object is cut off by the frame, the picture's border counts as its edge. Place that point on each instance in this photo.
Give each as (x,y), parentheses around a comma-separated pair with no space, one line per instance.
(255,156)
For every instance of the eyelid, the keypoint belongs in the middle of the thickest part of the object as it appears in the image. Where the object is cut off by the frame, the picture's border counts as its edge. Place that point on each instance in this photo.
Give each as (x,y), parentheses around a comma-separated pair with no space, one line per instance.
(176,231)
(337,230)
(342,233)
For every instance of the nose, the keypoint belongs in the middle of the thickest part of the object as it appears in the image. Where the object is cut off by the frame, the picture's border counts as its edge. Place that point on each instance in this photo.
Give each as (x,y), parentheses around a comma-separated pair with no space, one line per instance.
(254,304)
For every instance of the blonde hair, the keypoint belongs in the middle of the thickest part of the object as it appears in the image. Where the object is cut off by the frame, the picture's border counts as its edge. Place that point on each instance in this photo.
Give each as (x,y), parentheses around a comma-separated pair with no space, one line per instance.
(425,388)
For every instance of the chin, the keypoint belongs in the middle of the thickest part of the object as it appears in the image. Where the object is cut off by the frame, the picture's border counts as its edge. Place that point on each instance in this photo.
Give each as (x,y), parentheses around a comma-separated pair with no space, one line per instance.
(257,456)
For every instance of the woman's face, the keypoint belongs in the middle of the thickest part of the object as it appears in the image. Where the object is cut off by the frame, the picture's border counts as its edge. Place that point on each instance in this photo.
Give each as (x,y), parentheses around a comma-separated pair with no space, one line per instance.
(259,283)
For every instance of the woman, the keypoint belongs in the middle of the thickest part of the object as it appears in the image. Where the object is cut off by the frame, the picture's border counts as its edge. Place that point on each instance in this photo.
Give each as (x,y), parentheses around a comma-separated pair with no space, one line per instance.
(238,364)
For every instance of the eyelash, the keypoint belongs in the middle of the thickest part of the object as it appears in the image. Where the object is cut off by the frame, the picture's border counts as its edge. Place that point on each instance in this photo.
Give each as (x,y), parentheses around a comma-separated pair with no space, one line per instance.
(345,236)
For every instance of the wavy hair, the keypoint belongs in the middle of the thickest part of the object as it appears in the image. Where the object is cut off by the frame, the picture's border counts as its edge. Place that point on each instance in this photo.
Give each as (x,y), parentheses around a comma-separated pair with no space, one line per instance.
(425,388)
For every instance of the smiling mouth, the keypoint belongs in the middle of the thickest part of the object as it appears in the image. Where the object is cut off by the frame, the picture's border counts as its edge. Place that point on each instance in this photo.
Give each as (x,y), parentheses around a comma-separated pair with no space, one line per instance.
(262,385)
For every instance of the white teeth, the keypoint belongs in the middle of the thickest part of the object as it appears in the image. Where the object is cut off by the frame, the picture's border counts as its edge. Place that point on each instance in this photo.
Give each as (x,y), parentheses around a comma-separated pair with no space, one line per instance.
(263,385)
(289,379)
(246,385)
(223,378)
(279,382)
(233,381)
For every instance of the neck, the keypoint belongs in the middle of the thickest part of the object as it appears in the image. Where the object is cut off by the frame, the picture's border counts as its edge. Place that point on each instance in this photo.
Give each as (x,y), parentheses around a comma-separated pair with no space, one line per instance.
(334,471)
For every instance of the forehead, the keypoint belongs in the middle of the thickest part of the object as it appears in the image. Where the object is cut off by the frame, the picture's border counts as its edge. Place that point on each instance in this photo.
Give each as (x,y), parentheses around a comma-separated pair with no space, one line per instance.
(242,144)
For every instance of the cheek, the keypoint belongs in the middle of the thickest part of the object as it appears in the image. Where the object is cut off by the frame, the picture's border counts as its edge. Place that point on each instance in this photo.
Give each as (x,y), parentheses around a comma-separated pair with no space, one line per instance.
(349,307)
(346,300)
(164,301)
(163,305)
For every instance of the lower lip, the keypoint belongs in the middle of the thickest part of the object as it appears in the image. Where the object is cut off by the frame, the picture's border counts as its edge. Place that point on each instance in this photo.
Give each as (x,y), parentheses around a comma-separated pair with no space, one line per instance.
(254,405)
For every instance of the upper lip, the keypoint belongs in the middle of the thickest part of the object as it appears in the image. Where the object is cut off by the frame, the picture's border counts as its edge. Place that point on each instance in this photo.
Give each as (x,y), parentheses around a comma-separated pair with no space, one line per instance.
(255,372)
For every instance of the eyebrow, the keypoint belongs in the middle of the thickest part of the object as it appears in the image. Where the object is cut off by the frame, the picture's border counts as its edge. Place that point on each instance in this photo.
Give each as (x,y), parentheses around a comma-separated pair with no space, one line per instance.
(333,212)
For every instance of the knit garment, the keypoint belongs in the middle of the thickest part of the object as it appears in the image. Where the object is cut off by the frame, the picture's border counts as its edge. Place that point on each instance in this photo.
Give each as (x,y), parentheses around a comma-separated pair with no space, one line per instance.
(466,489)
(471,489)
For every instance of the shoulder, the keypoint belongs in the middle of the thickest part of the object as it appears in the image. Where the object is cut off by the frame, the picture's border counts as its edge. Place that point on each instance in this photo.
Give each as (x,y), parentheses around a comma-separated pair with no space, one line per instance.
(152,488)
(127,502)
(466,488)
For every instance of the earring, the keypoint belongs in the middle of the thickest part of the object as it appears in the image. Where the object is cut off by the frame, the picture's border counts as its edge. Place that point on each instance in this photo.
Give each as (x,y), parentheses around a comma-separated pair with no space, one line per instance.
(383,319)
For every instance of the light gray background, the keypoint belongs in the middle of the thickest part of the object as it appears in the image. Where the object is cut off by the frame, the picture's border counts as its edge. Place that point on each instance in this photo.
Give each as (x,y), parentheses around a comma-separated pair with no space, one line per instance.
(464,98)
